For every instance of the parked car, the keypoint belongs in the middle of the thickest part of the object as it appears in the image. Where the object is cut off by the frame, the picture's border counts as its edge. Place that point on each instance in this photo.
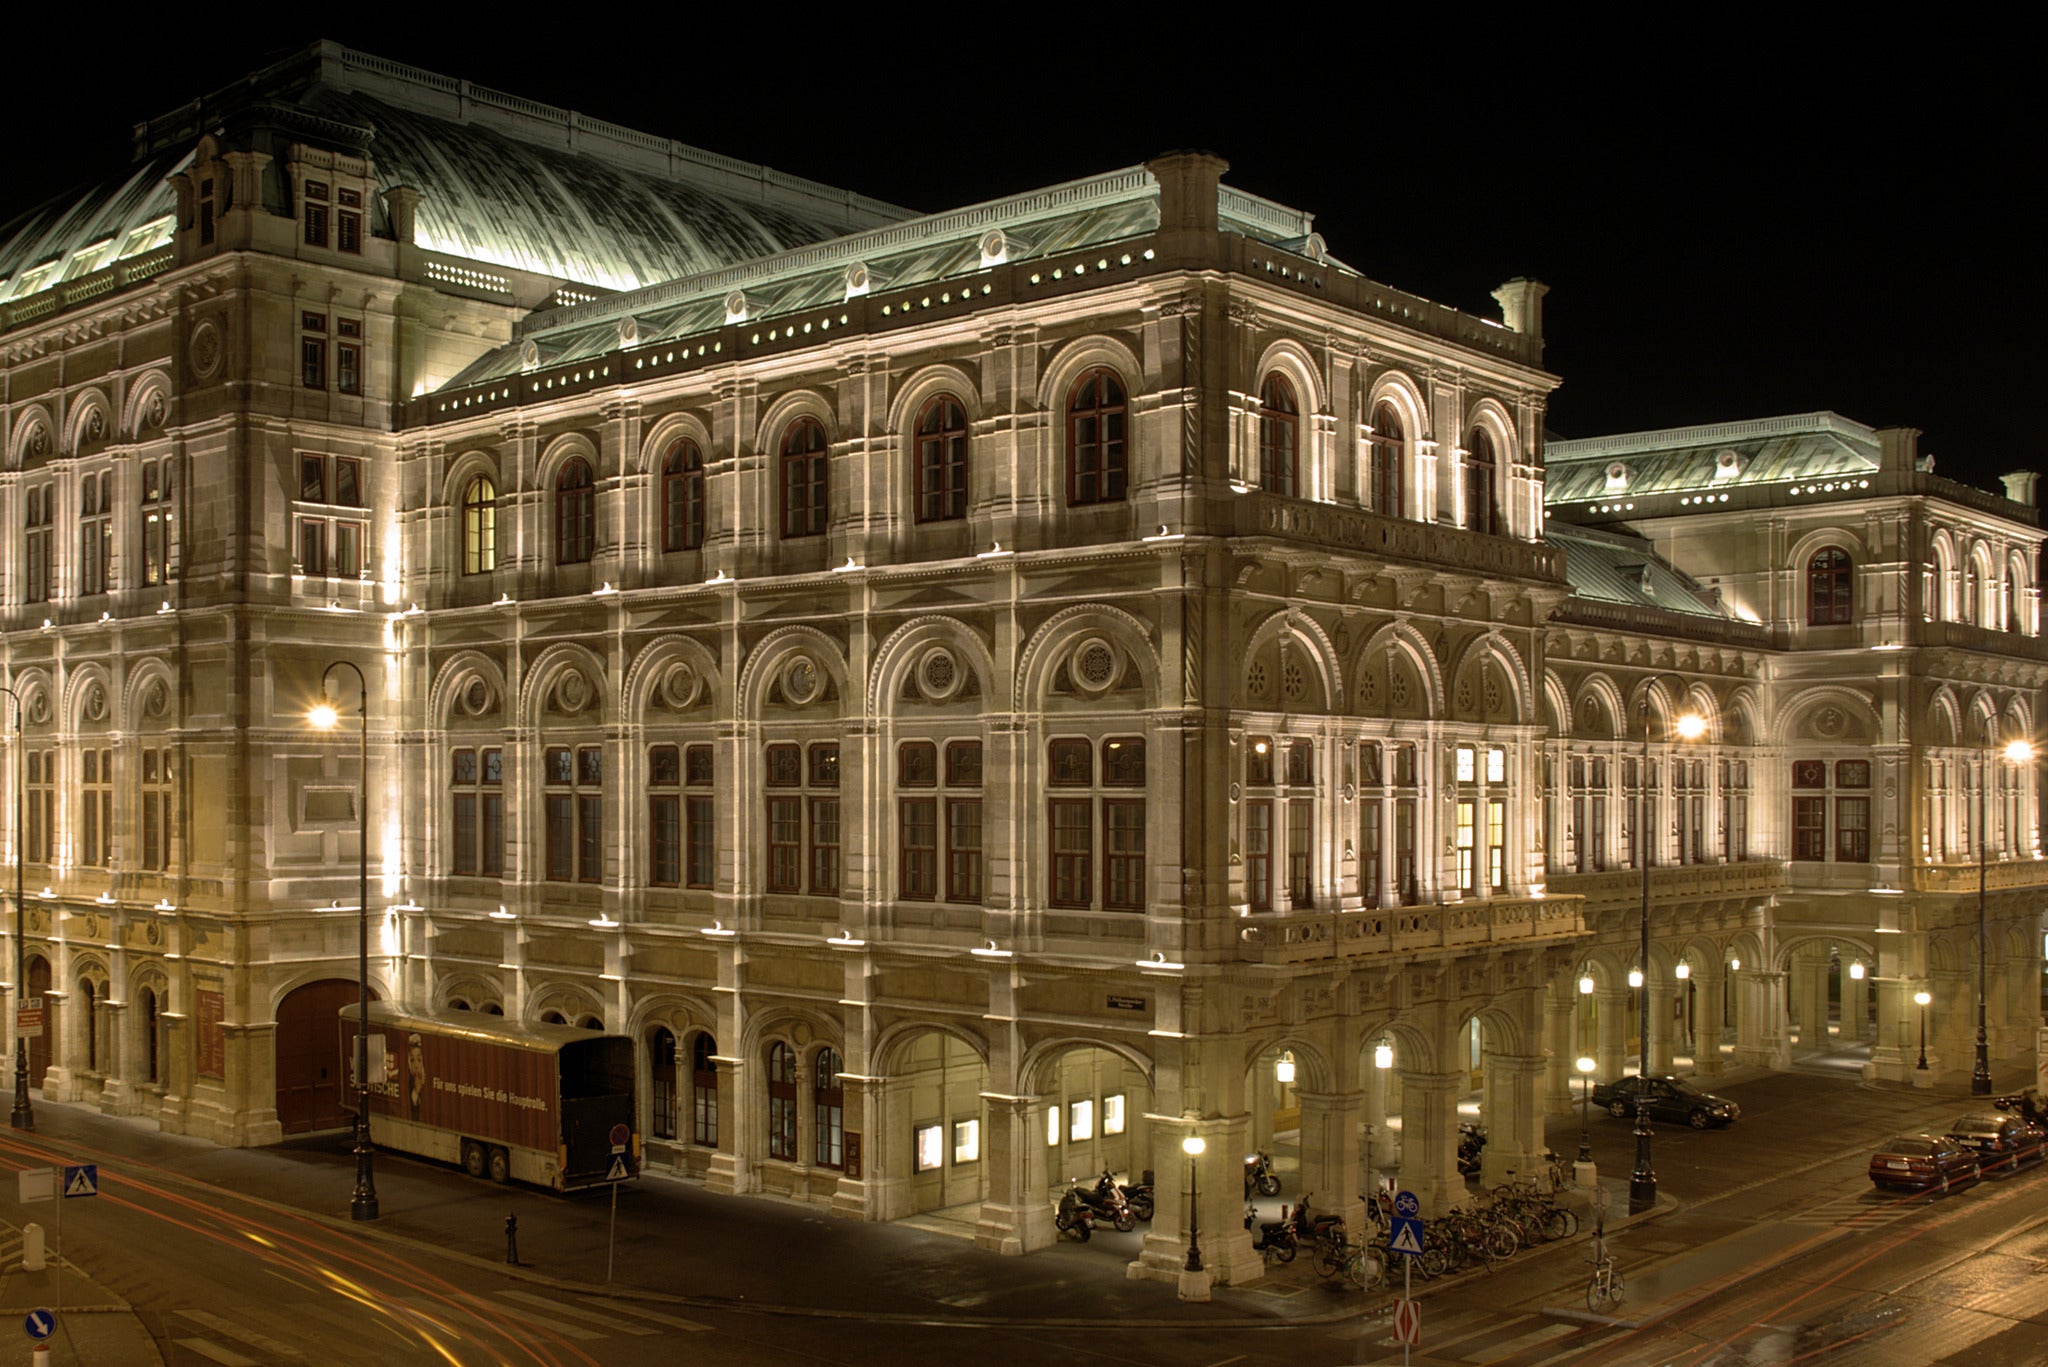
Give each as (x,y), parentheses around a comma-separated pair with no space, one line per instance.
(1923,1162)
(2001,1140)
(1666,1098)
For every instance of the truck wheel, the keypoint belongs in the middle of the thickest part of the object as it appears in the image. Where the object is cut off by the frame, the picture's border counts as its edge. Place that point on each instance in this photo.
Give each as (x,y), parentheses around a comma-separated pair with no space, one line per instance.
(501,1165)
(473,1161)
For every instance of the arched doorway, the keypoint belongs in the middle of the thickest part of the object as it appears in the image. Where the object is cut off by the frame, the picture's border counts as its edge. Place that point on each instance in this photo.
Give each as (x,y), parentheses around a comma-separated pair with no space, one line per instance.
(41,1048)
(310,1081)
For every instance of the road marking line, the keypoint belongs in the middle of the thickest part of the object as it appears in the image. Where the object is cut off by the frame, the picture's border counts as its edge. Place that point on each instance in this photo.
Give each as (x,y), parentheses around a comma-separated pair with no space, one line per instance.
(556,1307)
(630,1308)
(220,1324)
(215,1353)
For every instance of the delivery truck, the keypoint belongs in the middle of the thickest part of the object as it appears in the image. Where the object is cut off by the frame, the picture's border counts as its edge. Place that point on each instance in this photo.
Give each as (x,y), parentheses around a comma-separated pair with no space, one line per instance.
(548,1104)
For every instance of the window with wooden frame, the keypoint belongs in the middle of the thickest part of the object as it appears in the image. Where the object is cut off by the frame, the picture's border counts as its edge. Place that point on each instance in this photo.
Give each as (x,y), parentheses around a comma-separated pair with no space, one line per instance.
(476,786)
(314,211)
(348,220)
(38,522)
(803,818)
(828,1110)
(155,519)
(158,784)
(312,350)
(803,481)
(95,532)
(96,808)
(575,514)
(704,1091)
(348,355)
(1809,809)
(1735,809)
(1279,437)
(664,815)
(1852,811)
(573,812)
(1385,456)
(1097,454)
(1482,507)
(41,786)
(682,497)
(479,526)
(782,1102)
(1084,798)
(941,460)
(700,830)
(1406,799)
(1830,588)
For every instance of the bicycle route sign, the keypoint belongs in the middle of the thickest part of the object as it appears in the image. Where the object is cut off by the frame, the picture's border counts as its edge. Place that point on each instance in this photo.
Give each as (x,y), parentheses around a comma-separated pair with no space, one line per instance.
(1404,1230)
(1408,1322)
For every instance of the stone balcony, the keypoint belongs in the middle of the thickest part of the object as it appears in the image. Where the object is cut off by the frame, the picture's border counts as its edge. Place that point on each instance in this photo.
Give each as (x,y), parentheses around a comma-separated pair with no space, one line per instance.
(1298,937)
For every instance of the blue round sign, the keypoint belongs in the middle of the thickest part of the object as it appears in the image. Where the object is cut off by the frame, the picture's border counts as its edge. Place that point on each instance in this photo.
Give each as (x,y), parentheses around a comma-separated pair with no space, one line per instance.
(40,1324)
(1405,1204)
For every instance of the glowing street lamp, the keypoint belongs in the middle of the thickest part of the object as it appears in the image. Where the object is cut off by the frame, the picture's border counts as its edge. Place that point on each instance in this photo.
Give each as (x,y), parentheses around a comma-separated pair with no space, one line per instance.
(2016,753)
(1193,1147)
(1585,1108)
(363,1204)
(1921,999)
(24,1117)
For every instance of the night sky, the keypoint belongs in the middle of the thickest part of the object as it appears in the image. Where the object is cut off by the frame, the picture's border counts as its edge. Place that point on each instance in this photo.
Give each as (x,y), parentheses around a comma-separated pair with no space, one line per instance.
(1729,230)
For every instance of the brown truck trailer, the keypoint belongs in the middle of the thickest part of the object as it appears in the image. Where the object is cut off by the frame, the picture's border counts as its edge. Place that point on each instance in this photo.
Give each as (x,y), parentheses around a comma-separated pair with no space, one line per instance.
(548,1104)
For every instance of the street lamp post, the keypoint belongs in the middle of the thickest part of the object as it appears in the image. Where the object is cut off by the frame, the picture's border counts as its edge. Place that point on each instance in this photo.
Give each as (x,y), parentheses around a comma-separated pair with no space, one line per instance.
(1193,1146)
(1921,999)
(363,1204)
(1585,1109)
(1642,1183)
(2018,752)
(24,1116)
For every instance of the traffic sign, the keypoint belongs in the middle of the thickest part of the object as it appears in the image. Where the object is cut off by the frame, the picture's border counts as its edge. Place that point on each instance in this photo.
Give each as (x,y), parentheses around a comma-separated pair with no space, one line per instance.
(1408,1322)
(617,1171)
(28,1018)
(620,1135)
(81,1179)
(1406,1204)
(1405,1236)
(40,1324)
(37,1184)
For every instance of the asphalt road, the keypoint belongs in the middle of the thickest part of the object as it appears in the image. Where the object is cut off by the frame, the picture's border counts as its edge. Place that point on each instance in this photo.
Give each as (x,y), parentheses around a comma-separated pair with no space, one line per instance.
(1772,1249)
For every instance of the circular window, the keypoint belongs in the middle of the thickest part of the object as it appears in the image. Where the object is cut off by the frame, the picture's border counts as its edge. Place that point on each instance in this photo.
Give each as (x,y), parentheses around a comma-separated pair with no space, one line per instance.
(96,703)
(679,686)
(158,700)
(938,674)
(800,680)
(476,698)
(573,692)
(205,350)
(1095,665)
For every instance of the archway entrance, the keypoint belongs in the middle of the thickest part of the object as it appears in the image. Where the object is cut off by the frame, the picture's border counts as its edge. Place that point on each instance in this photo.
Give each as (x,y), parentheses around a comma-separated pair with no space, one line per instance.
(310,1081)
(41,1047)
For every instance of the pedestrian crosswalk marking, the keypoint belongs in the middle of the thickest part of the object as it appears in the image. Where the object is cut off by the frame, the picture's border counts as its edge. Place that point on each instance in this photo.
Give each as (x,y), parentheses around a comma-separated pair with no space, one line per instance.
(629,1308)
(213,1352)
(556,1307)
(220,1324)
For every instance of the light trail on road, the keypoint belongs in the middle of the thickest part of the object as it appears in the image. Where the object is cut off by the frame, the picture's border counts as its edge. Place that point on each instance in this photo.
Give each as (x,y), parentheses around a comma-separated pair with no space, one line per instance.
(462,1329)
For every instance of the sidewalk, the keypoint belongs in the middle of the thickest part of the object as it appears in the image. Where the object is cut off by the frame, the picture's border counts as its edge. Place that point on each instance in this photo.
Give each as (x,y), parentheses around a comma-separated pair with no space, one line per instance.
(93,1324)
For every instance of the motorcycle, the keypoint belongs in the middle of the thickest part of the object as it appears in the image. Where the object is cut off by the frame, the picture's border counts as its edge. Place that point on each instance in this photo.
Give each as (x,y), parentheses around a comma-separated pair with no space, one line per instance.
(1075,1219)
(1277,1239)
(1106,1201)
(1139,1196)
(1313,1229)
(1471,1139)
(1259,1175)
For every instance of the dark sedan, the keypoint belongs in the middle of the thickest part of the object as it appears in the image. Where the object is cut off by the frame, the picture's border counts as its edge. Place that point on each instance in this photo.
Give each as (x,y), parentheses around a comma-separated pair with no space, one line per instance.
(2000,1140)
(1923,1162)
(1666,1098)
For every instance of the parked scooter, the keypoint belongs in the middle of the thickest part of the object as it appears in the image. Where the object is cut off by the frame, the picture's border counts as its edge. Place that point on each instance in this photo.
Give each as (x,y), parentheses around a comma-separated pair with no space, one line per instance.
(1259,1175)
(1106,1201)
(1139,1195)
(1075,1219)
(1471,1139)
(1277,1239)
(1309,1228)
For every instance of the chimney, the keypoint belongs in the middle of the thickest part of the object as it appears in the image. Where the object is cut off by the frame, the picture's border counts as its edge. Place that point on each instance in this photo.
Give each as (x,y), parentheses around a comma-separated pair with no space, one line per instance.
(2019,485)
(1187,190)
(401,203)
(1521,307)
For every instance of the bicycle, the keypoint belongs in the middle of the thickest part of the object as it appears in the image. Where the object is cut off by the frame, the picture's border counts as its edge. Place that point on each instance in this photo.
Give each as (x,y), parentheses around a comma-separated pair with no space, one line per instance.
(1606,1282)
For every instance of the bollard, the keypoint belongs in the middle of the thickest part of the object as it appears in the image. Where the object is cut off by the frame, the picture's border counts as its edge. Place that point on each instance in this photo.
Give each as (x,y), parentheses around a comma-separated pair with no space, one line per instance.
(512,1240)
(41,1356)
(33,1256)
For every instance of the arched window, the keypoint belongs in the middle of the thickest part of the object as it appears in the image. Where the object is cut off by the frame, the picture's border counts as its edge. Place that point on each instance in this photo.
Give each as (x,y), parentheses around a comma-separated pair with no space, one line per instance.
(941,461)
(480,527)
(828,1099)
(1829,579)
(1973,595)
(661,1069)
(682,498)
(90,999)
(152,1036)
(1384,448)
(803,479)
(1279,437)
(1481,510)
(704,1091)
(575,514)
(2012,602)
(782,1102)
(1096,456)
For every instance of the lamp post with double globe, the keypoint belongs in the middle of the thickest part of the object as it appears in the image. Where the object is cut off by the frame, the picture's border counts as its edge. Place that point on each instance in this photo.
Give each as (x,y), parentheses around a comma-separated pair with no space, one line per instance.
(363,1204)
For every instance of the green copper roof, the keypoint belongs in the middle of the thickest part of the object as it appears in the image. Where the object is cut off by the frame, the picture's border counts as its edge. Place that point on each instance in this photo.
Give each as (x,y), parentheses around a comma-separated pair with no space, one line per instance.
(1719,457)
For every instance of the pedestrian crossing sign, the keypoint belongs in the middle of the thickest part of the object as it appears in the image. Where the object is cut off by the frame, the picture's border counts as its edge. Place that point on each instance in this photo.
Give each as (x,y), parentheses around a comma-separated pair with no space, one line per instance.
(1405,1236)
(617,1171)
(81,1179)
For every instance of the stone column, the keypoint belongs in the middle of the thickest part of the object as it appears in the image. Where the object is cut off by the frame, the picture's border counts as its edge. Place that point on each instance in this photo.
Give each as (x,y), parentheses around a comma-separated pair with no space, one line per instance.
(1429,1139)
(1708,1022)
(1016,1215)
(1663,996)
(1331,1157)
(1514,1126)
(1561,1065)
(1855,1007)
(1612,1054)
